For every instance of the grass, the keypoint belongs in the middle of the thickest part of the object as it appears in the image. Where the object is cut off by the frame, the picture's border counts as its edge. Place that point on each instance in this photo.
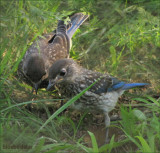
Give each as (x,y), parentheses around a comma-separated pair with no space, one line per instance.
(120,37)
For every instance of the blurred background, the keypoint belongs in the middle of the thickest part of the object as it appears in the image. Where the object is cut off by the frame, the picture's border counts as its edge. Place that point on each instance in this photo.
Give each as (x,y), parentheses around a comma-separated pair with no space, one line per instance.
(121,37)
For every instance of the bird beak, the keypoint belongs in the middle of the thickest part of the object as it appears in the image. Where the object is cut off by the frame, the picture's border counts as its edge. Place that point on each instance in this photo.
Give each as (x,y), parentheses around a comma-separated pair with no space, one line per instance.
(36,86)
(51,84)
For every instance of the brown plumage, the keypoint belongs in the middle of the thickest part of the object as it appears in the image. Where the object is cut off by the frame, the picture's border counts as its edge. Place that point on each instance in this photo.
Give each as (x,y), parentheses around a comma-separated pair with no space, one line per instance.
(34,67)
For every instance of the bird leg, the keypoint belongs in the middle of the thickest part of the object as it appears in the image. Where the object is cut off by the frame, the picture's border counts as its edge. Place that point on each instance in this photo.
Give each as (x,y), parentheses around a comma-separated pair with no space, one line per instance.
(107,124)
(34,91)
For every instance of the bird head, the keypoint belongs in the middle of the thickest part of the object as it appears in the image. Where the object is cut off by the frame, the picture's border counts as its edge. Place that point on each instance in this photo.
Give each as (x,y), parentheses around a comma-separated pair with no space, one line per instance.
(35,70)
(62,71)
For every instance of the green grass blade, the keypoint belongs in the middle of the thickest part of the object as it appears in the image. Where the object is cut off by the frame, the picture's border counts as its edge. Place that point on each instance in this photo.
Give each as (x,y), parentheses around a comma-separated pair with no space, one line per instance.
(145,146)
(28,102)
(39,146)
(94,142)
(154,100)
(86,149)
(1,134)
(113,54)
(132,139)
(54,148)
(142,100)
(106,147)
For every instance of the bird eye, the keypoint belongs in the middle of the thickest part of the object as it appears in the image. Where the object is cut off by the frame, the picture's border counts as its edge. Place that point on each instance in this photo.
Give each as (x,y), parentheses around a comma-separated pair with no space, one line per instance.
(62,72)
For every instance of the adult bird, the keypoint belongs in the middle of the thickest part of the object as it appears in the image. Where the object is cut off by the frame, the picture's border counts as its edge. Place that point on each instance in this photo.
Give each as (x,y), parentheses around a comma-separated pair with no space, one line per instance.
(71,79)
(34,67)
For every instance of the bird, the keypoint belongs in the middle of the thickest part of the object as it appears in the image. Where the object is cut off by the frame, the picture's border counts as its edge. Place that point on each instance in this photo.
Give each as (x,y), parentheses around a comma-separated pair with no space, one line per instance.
(70,79)
(34,67)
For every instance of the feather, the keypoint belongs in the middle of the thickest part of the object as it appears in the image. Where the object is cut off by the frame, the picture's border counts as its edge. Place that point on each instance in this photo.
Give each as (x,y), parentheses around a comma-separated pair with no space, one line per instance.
(76,21)
(133,85)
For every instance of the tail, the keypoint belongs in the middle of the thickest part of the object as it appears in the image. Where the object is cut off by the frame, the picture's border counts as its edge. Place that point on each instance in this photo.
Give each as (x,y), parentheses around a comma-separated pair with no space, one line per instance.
(61,27)
(76,20)
(133,85)
(61,36)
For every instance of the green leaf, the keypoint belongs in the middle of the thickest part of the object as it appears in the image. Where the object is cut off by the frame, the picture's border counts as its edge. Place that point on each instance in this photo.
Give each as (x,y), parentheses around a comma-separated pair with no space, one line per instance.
(113,54)
(142,100)
(54,148)
(112,145)
(28,102)
(154,100)
(132,139)
(86,149)
(94,142)
(139,114)
(145,146)
(39,146)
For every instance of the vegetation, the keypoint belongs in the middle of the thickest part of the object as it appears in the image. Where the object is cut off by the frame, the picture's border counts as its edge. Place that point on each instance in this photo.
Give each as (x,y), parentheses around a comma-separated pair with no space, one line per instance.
(121,37)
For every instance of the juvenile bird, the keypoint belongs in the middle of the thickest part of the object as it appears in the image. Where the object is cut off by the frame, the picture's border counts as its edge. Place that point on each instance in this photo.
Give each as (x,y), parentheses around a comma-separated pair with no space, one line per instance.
(34,67)
(71,79)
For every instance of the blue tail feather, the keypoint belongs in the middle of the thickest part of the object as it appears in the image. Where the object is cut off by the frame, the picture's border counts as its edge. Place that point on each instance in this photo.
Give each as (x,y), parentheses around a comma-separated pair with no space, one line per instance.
(125,86)
(133,85)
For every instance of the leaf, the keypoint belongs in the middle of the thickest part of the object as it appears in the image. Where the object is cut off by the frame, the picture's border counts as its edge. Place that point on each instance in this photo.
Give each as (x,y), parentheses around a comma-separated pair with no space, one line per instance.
(39,146)
(139,114)
(28,102)
(94,142)
(106,147)
(145,146)
(132,139)
(154,100)
(89,150)
(113,54)
(54,148)
(142,100)
(111,144)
